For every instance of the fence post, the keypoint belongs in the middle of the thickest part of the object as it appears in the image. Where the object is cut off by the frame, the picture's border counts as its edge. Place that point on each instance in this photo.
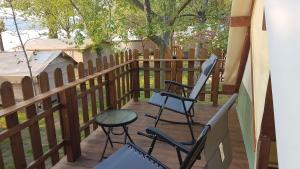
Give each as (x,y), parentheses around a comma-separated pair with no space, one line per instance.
(106,78)
(215,84)
(49,120)
(136,78)
(93,92)
(7,97)
(112,90)
(68,99)
(34,130)
(146,74)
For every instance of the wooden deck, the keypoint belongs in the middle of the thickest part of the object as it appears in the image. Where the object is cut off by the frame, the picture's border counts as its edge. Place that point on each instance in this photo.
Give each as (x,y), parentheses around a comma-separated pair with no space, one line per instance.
(93,145)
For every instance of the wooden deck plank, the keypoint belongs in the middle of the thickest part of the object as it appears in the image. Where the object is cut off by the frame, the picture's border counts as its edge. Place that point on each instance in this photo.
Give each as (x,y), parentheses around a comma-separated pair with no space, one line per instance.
(92,146)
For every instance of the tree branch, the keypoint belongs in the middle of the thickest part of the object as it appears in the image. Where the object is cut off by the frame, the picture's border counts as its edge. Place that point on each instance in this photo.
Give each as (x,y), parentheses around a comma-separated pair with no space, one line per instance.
(147,9)
(180,9)
(140,6)
(77,9)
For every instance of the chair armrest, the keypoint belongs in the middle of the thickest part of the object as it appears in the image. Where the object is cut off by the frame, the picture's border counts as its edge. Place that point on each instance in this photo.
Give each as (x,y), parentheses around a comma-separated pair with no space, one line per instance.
(167,139)
(178,84)
(177,96)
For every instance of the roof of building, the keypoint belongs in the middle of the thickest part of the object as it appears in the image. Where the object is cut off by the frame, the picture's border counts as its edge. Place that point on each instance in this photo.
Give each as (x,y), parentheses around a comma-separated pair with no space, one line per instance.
(55,44)
(14,63)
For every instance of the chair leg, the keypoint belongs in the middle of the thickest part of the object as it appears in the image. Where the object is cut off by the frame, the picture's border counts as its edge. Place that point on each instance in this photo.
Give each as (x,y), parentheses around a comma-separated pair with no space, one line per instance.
(190,126)
(158,116)
(152,145)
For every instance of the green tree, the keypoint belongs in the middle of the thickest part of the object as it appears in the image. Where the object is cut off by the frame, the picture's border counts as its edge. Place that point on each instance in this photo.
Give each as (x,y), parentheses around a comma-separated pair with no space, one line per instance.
(2,29)
(56,15)
(160,20)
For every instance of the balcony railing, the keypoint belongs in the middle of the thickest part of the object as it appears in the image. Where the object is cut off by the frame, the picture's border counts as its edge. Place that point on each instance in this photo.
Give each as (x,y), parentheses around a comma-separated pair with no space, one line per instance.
(38,132)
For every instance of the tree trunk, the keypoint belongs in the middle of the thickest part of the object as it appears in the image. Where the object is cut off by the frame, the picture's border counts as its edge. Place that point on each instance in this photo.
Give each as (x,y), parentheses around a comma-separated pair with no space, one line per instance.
(52,34)
(1,44)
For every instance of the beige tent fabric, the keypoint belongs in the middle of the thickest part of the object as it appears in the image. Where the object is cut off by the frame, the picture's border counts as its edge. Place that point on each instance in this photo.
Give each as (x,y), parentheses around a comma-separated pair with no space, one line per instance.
(235,41)
(260,60)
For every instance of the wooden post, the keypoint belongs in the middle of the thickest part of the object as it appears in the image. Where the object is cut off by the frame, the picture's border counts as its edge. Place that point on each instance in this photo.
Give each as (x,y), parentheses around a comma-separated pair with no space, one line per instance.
(34,130)
(100,84)
(106,77)
(215,84)
(157,70)
(264,146)
(119,103)
(16,143)
(178,70)
(191,68)
(68,98)
(130,73)
(136,77)
(127,77)
(146,74)
(50,125)
(203,55)
(112,90)
(58,80)
(93,92)
(167,66)
(123,79)
(84,99)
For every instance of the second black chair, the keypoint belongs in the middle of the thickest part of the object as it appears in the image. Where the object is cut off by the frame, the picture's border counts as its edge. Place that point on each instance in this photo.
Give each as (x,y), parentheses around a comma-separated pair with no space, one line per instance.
(182,104)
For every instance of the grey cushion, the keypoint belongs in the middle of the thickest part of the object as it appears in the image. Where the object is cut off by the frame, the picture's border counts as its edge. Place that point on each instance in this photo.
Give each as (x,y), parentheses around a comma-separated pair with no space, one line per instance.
(172,103)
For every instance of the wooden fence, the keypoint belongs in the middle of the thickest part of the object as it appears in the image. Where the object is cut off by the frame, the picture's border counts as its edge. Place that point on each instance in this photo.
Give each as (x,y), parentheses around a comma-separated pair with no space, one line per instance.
(109,83)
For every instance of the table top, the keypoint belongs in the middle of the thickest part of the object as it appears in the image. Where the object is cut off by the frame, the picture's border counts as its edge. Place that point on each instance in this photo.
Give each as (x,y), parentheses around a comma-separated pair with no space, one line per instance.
(116,118)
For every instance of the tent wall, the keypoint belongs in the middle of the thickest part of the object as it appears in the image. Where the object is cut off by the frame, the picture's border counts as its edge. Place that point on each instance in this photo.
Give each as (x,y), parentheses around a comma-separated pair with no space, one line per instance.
(235,41)
(253,88)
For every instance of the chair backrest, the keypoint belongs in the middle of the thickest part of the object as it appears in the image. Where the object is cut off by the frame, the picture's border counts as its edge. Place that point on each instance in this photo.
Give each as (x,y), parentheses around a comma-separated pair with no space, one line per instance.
(214,140)
(206,69)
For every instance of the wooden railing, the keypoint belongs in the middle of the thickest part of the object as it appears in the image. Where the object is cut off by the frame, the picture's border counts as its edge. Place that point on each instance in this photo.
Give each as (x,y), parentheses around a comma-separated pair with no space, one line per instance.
(38,132)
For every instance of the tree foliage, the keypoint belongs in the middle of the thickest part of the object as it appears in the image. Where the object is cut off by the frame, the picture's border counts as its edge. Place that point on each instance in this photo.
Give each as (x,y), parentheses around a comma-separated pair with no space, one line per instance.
(159,20)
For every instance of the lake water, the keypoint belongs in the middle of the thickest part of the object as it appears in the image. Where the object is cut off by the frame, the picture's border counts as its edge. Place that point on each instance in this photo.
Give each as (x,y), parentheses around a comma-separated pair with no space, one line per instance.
(29,29)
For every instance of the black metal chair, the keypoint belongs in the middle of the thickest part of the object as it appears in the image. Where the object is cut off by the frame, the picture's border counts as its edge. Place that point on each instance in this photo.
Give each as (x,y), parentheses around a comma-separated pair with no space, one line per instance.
(182,104)
(213,140)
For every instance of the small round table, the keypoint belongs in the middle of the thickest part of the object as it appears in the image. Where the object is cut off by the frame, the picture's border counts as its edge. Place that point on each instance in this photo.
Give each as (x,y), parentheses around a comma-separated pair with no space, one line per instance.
(115,118)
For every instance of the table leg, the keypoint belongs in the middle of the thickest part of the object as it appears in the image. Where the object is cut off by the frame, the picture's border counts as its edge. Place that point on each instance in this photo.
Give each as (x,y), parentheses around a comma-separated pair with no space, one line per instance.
(127,134)
(106,141)
(107,133)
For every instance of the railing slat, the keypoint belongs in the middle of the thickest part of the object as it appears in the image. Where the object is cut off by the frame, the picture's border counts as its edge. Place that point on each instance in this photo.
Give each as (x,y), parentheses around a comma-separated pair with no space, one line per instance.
(34,129)
(7,97)
(92,94)
(168,65)
(136,77)
(1,159)
(127,76)
(157,67)
(203,55)
(112,85)
(117,59)
(179,66)
(191,67)
(215,84)
(146,74)
(58,80)
(50,125)
(84,99)
(123,78)
(130,73)
(100,84)
(106,77)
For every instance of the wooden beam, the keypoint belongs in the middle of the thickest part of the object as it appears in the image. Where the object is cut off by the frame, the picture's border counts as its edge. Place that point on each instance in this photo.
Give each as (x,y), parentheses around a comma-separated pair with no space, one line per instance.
(243,61)
(240,21)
